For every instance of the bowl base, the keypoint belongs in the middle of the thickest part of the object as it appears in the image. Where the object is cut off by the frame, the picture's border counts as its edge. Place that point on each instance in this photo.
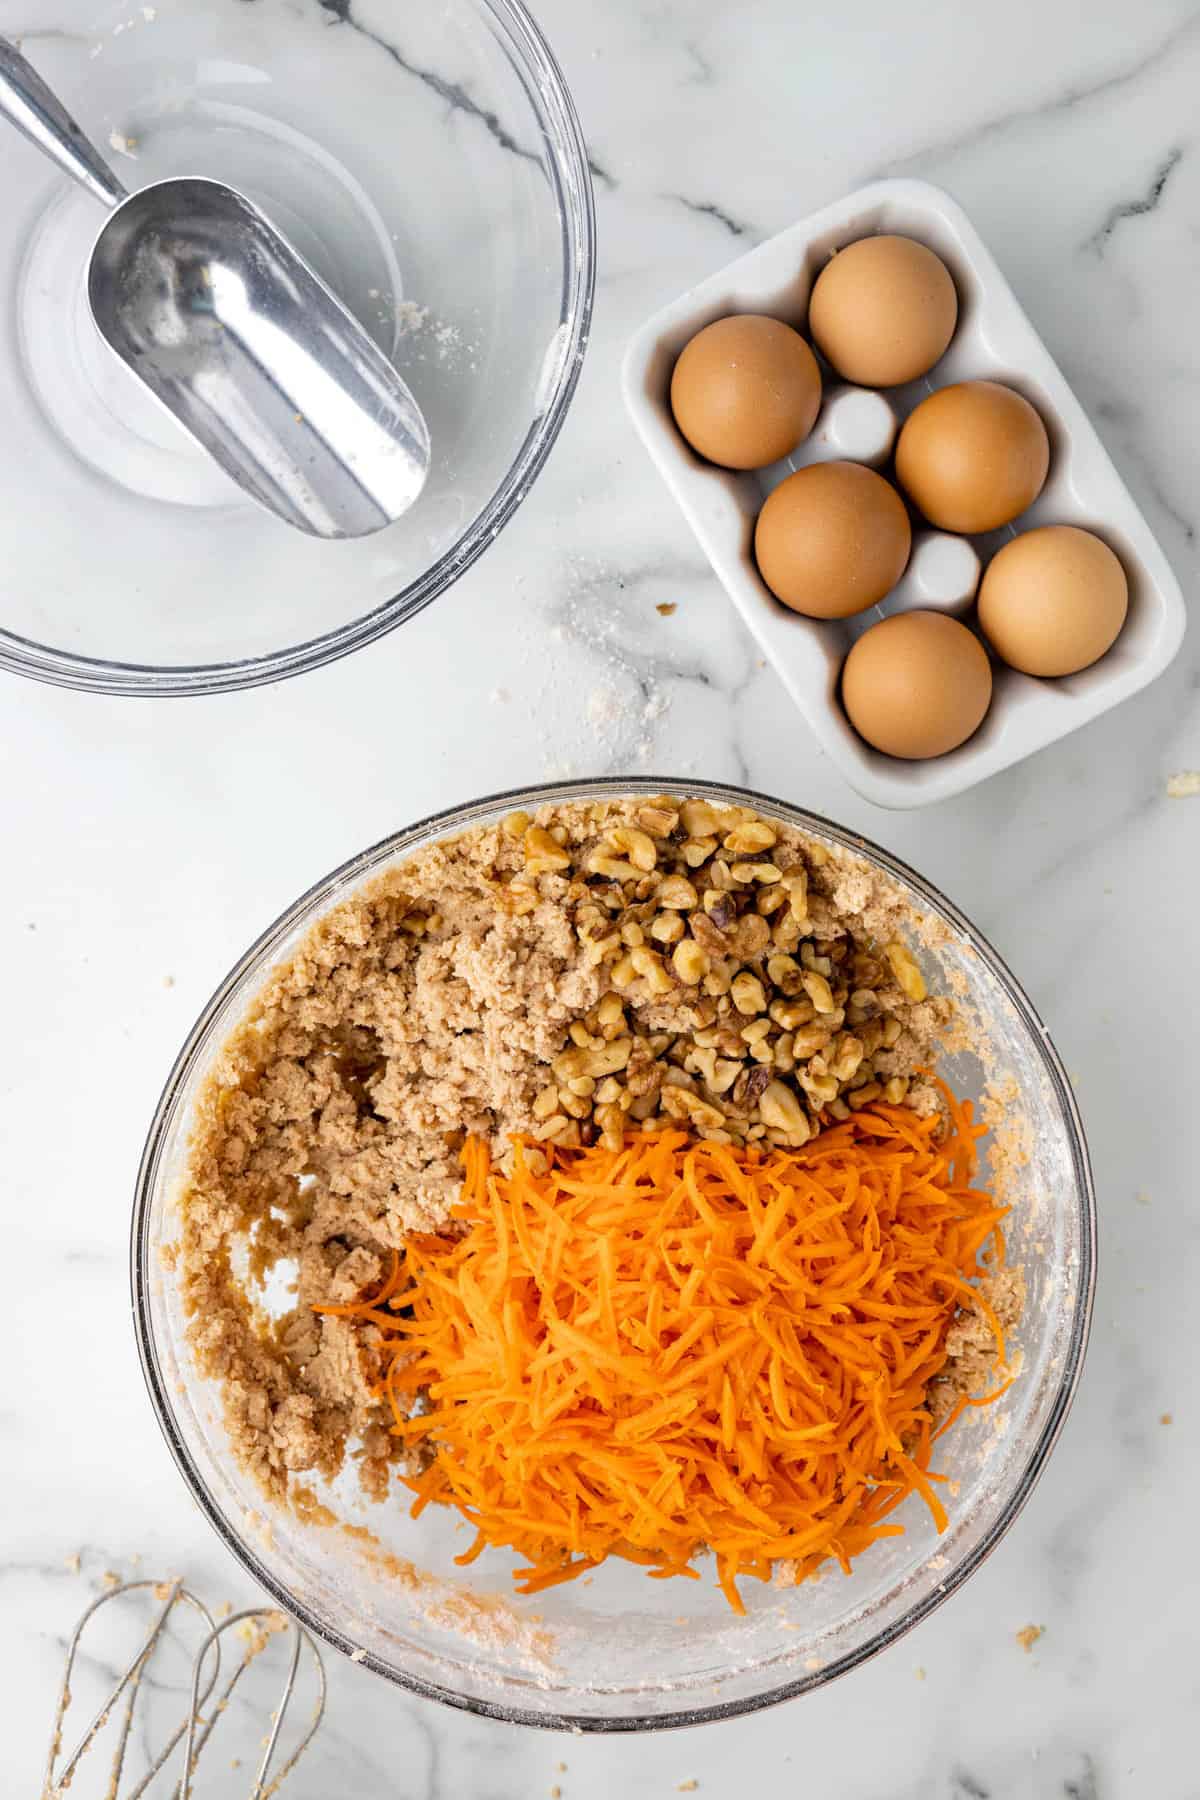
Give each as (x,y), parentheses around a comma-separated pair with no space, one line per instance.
(430,168)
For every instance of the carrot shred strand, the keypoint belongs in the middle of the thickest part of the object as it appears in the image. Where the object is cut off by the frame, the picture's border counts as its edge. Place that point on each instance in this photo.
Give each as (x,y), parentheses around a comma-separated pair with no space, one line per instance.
(683,1346)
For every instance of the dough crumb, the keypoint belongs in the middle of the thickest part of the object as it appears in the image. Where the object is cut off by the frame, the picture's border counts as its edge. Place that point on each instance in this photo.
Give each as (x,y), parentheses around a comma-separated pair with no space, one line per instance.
(1184,785)
(667,608)
(410,317)
(73,1563)
(1166,1418)
(1028,1636)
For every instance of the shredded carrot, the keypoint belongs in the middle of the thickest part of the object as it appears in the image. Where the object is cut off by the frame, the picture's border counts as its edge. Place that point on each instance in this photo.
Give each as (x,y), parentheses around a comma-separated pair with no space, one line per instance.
(682,1346)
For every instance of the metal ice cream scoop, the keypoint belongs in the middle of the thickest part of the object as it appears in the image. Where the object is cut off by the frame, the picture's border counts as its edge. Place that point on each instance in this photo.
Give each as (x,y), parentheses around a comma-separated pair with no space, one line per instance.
(194,289)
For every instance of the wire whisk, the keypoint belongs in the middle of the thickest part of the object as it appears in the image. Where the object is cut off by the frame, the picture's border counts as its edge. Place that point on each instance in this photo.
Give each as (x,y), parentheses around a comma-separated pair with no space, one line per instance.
(256,1627)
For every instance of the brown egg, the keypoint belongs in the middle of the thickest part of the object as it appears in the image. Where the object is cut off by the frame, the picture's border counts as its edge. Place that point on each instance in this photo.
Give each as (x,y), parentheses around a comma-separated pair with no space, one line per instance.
(883,311)
(1053,600)
(917,685)
(973,456)
(832,539)
(745,391)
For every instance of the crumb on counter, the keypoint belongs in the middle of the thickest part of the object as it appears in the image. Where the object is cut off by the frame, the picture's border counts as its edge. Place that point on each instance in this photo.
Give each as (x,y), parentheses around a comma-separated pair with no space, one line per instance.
(73,1563)
(1028,1636)
(1166,1418)
(667,608)
(1184,785)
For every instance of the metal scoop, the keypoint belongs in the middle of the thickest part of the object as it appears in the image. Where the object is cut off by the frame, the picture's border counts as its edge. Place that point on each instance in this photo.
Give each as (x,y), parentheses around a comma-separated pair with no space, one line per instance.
(232,331)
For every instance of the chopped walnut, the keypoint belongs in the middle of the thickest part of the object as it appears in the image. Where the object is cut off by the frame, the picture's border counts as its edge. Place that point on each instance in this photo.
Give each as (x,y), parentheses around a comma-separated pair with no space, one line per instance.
(666,900)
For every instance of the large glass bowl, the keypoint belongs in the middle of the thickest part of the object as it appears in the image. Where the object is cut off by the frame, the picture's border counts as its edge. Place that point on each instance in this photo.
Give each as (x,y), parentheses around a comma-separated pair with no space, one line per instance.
(628,1652)
(428,161)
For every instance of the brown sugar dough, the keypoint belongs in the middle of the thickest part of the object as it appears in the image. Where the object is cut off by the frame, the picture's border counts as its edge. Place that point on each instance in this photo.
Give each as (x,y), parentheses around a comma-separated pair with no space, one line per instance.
(434,1003)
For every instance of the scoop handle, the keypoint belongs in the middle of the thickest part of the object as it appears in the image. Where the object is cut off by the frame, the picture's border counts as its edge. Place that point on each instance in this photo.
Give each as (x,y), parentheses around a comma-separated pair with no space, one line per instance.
(27,103)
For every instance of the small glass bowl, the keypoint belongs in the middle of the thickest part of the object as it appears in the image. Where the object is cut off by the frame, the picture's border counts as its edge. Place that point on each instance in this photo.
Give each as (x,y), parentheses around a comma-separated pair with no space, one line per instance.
(625,1652)
(428,162)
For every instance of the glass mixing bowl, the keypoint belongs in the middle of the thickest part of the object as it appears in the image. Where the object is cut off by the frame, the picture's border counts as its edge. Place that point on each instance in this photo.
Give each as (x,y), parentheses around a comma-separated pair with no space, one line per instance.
(626,1652)
(428,162)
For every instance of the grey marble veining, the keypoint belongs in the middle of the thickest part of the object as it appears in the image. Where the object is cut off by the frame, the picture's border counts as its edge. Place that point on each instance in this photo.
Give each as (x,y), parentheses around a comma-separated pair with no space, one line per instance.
(141,861)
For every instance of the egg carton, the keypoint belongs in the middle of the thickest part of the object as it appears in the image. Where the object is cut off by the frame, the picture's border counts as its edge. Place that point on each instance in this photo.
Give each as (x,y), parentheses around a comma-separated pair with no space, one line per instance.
(995,340)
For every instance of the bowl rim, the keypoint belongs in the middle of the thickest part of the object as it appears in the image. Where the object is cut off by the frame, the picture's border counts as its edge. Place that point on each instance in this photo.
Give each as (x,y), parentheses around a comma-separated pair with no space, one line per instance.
(307,908)
(569,169)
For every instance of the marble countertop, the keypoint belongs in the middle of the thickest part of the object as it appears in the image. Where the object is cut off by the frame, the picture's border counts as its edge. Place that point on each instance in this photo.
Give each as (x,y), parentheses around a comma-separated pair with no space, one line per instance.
(139,865)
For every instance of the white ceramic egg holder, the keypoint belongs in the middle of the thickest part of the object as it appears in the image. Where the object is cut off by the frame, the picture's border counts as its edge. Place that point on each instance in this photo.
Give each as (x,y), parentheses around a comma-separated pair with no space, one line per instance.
(994,339)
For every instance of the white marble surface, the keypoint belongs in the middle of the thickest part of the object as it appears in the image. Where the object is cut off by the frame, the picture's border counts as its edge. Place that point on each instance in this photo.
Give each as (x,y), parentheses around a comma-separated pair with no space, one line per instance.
(139,862)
